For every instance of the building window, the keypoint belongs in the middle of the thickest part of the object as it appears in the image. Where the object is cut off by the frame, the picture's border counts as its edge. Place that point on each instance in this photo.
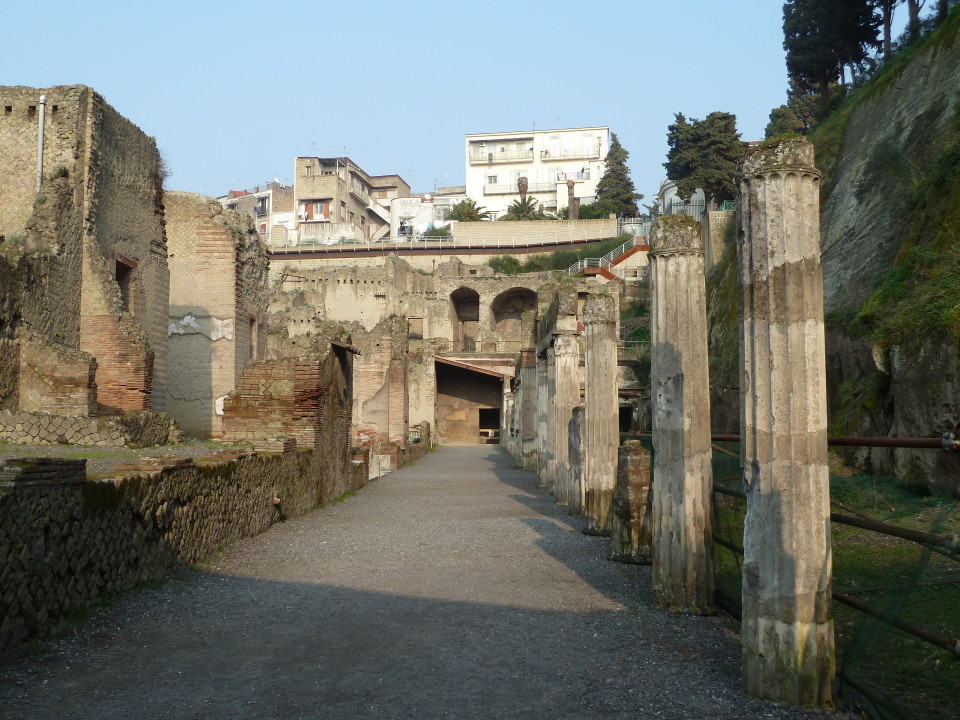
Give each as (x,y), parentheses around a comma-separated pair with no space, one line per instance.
(491,179)
(343,211)
(126,280)
(308,170)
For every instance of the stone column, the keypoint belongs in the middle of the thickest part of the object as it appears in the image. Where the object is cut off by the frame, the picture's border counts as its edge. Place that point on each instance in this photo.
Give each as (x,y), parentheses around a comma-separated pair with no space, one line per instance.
(576,453)
(550,419)
(565,399)
(787,632)
(682,541)
(601,422)
(541,420)
(630,519)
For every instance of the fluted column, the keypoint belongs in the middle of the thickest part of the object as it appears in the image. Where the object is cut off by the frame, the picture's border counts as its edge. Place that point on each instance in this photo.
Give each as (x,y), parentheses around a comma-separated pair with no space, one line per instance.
(601,426)
(566,398)
(682,534)
(543,402)
(787,632)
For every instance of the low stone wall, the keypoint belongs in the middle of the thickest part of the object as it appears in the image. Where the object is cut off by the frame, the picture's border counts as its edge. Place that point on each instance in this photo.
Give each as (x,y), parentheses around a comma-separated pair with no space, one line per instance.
(509,235)
(67,541)
(138,428)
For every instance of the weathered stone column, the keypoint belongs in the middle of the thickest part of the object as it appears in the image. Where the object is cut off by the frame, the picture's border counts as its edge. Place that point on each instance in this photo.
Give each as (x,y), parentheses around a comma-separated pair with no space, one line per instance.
(682,540)
(566,397)
(630,518)
(575,452)
(543,401)
(550,479)
(787,633)
(601,437)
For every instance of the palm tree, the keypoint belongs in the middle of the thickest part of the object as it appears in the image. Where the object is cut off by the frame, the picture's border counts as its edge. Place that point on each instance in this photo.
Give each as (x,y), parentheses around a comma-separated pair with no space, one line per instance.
(468,211)
(525,209)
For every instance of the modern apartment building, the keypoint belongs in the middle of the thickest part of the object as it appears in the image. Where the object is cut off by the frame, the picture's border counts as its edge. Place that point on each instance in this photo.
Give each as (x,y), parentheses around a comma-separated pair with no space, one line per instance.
(546,158)
(335,200)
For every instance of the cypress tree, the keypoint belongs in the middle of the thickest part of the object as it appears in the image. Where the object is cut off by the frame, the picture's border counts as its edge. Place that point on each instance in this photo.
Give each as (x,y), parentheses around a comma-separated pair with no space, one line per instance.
(615,189)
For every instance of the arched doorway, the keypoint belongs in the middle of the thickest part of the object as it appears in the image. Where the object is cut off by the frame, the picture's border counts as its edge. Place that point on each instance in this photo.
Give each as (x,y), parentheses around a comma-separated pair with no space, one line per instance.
(465,311)
(514,317)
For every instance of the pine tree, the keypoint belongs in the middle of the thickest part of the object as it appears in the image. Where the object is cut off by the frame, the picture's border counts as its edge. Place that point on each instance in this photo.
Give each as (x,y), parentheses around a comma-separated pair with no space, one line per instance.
(703,154)
(615,188)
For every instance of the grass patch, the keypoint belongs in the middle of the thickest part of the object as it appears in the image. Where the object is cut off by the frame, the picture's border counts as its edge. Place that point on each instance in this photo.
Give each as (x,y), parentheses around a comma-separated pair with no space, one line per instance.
(899,577)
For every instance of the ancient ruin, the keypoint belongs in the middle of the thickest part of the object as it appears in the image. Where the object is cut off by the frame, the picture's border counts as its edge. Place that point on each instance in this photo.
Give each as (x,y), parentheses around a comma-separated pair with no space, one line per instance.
(680,386)
(787,632)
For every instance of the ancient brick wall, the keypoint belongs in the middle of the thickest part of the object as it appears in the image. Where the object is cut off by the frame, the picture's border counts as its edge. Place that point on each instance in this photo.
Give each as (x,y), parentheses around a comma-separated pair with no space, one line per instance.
(218,275)
(69,542)
(309,399)
(56,379)
(124,319)
(97,279)
(380,384)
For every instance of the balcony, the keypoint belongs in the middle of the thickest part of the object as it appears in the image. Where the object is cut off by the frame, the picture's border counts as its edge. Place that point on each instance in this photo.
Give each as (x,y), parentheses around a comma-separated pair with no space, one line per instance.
(361,195)
(575,176)
(569,154)
(491,156)
(513,190)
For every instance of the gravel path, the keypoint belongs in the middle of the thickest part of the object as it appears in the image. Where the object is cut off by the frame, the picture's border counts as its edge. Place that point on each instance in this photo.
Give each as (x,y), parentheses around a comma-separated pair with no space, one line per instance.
(452,588)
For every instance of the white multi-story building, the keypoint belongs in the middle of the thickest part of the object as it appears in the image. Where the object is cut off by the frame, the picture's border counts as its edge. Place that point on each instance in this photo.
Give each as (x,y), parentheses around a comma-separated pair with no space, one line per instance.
(546,158)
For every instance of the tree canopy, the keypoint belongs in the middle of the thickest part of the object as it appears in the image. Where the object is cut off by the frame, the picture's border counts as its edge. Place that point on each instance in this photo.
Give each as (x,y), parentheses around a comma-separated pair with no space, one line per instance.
(615,189)
(703,154)
(526,208)
(468,211)
(821,36)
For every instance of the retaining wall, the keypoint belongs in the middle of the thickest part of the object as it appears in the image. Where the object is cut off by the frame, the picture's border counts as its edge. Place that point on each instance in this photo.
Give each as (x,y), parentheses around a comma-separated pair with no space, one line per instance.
(68,541)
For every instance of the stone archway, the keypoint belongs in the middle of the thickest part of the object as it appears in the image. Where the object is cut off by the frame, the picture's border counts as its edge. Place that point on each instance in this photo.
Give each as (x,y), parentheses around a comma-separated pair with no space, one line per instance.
(465,318)
(514,318)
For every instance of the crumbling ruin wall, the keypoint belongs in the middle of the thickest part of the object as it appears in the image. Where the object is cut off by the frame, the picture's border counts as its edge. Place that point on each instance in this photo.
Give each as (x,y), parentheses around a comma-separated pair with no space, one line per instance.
(309,399)
(380,384)
(55,379)
(98,210)
(125,278)
(70,541)
(218,289)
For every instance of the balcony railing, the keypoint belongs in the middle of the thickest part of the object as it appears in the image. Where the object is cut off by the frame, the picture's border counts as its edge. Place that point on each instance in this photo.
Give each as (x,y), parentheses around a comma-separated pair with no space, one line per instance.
(579,175)
(496,156)
(361,195)
(569,154)
(512,189)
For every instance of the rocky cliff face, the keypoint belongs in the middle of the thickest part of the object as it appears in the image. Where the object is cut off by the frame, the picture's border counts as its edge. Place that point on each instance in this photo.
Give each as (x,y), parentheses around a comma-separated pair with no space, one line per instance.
(876,152)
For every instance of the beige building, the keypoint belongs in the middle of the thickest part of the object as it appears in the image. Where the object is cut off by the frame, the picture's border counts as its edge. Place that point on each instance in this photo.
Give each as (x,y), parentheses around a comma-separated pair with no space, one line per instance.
(336,201)
(269,207)
(495,162)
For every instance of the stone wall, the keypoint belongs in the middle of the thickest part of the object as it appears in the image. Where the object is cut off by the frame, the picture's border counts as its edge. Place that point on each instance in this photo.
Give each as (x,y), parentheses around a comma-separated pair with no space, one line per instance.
(56,379)
(70,541)
(533,231)
(137,428)
(380,383)
(125,279)
(309,399)
(218,298)
(89,247)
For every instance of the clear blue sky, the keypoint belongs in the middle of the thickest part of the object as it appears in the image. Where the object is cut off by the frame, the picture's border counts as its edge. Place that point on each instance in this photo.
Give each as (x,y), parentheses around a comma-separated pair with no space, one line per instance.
(233,91)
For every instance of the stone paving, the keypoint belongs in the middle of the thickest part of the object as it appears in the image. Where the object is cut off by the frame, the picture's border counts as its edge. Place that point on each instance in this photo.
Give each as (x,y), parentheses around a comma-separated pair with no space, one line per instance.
(452,588)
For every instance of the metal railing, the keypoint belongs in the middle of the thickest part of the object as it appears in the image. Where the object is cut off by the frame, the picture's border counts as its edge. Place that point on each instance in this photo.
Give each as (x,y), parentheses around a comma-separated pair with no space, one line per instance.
(494,156)
(512,189)
(294,243)
(601,262)
(569,154)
